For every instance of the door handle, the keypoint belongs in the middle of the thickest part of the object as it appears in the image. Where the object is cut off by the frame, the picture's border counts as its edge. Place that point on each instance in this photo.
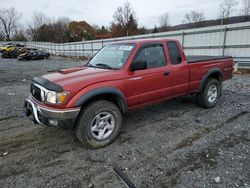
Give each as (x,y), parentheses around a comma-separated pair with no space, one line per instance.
(136,78)
(166,73)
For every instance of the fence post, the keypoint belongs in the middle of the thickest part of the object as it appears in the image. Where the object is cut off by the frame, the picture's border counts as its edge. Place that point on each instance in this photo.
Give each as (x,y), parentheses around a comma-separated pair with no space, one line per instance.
(182,39)
(63,49)
(75,50)
(224,41)
(92,50)
(83,49)
(69,50)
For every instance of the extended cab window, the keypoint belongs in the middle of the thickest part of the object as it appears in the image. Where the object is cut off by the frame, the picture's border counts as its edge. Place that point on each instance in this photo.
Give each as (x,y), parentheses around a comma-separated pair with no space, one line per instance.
(153,55)
(174,53)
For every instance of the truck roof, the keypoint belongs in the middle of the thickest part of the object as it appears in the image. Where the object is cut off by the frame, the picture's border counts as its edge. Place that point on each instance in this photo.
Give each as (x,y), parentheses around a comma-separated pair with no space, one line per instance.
(142,41)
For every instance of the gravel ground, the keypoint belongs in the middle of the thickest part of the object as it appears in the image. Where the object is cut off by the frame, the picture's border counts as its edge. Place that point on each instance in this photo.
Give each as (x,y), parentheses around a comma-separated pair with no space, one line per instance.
(172,144)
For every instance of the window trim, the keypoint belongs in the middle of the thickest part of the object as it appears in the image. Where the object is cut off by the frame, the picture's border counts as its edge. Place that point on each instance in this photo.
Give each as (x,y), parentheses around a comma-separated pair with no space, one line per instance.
(150,45)
(170,54)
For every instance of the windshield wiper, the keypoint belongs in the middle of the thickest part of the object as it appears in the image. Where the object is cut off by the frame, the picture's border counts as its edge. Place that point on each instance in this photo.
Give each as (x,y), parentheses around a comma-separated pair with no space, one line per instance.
(103,65)
(88,65)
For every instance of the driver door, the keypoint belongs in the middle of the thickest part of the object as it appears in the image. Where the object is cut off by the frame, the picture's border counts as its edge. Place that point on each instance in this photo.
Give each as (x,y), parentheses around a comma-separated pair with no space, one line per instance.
(150,84)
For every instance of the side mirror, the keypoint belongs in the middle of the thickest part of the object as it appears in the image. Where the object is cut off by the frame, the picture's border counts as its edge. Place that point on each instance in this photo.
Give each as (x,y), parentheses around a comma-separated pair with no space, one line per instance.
(179,59)
(139,65)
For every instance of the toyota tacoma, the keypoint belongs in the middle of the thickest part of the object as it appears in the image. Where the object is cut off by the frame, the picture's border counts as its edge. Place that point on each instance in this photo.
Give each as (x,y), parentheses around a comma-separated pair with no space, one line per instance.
(123,76)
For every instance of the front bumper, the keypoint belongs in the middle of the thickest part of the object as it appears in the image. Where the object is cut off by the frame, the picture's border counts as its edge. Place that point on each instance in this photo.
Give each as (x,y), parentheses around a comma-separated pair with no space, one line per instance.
(64,118)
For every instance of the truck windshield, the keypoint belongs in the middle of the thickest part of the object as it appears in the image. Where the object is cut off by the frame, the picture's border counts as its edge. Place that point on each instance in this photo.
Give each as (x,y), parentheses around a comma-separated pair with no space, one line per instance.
(113,56)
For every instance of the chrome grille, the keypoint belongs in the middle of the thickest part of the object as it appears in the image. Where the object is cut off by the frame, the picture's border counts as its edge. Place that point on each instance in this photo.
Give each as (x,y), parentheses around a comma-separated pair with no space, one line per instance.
(35,92)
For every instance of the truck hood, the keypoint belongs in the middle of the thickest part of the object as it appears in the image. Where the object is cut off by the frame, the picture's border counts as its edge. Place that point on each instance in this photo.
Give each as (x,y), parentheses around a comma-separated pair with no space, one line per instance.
(75,79)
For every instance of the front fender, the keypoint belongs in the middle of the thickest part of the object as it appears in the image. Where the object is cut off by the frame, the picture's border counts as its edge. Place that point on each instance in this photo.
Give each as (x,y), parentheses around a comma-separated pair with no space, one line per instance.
(85,97)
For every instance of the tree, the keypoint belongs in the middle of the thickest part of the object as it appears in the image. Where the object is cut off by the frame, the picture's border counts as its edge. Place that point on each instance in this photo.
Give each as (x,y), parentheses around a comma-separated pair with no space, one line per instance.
(19,36)
(124,21)
(245,10)
(61,29)
(227,7)
(194,17)
(131,26)
(122,14)
(1,37)
(100,31)
(8,22)
(155,30)
(142,30)
(117,30)
(80,31)
(164,22)
(43,28)
(38,20)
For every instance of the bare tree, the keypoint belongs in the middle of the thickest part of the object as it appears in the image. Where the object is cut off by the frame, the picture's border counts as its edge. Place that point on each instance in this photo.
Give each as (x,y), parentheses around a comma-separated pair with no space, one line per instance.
(38,19)
(245,10)
(124,21)
(60,28)
(122,14)
(8,21)
(227,7)
(1,37)
(194,17)
(164,21)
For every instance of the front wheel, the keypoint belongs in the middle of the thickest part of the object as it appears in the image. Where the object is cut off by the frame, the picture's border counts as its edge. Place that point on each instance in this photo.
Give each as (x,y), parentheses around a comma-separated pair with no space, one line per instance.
(210,94)
(99,124)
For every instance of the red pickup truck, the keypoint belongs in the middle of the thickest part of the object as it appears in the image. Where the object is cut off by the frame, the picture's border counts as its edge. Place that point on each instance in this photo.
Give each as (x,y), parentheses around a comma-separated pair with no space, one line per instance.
(120,77)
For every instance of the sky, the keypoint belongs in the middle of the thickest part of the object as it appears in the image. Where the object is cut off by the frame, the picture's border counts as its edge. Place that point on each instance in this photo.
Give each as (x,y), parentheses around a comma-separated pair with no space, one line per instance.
(100,12)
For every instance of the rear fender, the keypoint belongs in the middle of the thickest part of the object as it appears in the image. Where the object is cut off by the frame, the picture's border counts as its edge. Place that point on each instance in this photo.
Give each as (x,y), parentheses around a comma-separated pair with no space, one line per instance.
(210,74)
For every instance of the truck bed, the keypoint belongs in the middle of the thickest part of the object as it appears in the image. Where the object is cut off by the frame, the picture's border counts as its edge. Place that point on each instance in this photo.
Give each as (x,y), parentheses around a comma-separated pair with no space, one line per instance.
(197,58)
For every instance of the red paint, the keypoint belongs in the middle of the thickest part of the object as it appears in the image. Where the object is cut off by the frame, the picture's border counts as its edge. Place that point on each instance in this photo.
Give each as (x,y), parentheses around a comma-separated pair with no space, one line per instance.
(153,87)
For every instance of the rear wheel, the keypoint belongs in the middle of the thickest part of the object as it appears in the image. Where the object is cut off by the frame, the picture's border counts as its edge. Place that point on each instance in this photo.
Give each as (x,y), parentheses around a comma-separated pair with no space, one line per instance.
(99,124)
(210,94)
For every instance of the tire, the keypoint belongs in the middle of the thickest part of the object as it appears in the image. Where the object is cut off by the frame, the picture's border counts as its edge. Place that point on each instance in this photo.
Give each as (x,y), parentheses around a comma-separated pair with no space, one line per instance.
(210,94)
(95,122)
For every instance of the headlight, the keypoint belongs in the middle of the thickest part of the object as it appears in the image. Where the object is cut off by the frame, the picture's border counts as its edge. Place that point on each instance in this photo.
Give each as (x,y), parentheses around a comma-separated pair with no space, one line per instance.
(56,97)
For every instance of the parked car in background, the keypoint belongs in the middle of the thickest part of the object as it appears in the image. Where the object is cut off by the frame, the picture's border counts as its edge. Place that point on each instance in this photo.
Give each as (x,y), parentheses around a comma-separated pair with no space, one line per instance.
(121,77)
(16,52)
(34,55)
(19,45)
(25,50)
(10,54)
(7,48)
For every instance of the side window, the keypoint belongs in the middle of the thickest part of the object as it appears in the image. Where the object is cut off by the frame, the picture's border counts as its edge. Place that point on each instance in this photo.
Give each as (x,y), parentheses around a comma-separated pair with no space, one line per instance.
(174,53)
(153,55)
